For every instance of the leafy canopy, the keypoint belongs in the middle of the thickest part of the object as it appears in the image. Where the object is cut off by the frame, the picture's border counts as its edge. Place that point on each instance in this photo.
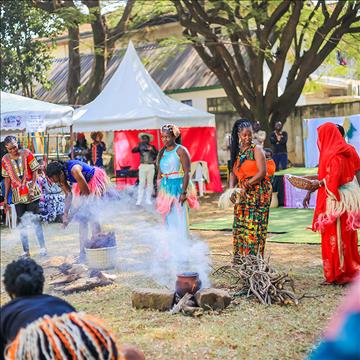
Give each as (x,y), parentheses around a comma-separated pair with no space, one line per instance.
(25,58)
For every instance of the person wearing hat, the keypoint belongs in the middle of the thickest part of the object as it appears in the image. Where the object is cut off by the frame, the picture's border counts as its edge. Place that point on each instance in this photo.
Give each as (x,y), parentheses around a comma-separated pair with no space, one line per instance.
(148,154)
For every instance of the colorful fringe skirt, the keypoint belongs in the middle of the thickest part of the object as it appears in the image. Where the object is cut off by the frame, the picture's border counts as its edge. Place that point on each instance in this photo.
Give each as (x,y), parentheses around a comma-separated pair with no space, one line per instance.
(174,214)
(69,336)
(98,184)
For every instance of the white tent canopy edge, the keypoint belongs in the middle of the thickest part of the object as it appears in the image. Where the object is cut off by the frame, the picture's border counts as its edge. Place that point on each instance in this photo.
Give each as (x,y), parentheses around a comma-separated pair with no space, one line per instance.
(132,100)
(19,113)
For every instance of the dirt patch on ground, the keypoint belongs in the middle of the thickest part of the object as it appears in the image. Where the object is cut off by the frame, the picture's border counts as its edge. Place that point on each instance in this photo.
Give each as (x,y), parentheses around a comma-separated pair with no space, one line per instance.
(248,330)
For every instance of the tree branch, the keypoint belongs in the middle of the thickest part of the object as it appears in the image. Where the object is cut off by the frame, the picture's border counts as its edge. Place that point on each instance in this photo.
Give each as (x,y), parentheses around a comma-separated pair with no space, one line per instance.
(354,30)
(285,43)
(120,28)
(276,16)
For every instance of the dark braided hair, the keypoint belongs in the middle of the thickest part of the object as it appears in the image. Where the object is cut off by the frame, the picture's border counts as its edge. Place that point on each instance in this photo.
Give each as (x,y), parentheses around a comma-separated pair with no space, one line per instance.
(234,145)
(55,168)
(24,277)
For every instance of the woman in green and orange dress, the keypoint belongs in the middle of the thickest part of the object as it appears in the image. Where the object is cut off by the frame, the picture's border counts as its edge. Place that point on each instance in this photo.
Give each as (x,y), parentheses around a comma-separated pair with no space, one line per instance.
(252,197)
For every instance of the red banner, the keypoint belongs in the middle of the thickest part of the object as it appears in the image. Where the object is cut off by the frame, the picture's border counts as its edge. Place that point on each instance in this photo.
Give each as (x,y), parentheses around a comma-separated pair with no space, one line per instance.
(200,142)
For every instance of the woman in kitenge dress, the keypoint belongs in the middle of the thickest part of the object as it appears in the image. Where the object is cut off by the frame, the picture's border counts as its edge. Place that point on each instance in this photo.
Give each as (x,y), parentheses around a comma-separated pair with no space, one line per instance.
(251,193)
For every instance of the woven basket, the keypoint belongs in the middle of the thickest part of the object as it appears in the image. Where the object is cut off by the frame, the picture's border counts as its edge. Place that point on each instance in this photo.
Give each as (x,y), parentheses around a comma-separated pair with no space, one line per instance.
(103,258)
(300,182)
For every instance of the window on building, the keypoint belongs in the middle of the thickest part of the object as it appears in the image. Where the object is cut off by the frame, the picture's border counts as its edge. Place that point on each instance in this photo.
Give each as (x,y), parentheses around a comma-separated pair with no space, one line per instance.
(187,102)
(219,105)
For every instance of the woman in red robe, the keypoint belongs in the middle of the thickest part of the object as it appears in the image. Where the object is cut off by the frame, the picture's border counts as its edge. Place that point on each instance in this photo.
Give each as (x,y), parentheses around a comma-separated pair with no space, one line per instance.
(337,212)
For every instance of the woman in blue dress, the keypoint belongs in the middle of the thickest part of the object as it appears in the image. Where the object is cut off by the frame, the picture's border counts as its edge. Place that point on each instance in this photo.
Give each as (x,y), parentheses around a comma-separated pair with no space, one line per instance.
(176,193)
(77,178)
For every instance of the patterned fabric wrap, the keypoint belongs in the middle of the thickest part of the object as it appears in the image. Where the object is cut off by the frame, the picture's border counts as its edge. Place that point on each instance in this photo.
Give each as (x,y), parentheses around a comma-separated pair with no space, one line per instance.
(98,184)
(251,213)
(52,202)
(20,173)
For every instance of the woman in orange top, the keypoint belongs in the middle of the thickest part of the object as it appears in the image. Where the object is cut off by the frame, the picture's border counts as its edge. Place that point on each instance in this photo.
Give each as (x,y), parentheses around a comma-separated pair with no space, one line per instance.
(252,199)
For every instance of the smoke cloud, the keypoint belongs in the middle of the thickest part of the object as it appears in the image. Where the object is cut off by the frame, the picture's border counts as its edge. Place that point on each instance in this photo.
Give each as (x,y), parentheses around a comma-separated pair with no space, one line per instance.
(146,247)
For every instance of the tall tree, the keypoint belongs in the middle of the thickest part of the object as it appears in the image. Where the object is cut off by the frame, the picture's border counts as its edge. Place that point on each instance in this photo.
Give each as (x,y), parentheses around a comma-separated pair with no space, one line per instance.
(25,58)
(261,33)
(104,39)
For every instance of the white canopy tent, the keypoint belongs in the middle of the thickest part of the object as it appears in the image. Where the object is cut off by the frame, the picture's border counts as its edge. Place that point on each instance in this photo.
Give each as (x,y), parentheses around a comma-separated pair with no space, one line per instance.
(132,100)
(19,113)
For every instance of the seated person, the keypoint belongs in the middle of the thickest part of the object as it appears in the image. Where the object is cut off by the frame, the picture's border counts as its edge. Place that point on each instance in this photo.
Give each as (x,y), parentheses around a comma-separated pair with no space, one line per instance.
(32,324)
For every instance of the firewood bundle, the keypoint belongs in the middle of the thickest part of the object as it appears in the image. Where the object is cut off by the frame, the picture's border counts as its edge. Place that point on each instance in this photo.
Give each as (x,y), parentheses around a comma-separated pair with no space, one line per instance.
(253,276)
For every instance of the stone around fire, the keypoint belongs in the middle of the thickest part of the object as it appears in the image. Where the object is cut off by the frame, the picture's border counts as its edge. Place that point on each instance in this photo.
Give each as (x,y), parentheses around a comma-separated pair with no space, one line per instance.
(215,299)
(157,299)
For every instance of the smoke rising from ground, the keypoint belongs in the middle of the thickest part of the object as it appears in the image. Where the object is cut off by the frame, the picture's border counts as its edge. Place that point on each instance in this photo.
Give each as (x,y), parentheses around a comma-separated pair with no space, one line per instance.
(146,247)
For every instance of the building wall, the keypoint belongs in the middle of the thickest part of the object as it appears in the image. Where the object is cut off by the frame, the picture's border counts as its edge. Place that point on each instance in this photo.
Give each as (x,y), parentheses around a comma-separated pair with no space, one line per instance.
(293,125)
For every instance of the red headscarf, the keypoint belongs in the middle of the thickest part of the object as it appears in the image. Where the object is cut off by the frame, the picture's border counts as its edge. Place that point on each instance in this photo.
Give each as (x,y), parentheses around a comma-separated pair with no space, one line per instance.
(338,163)
(331,144)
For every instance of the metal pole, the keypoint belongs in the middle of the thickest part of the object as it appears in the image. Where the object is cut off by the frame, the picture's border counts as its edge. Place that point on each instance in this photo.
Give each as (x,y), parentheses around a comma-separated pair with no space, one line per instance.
(47,148)
(71,142)
(57,146)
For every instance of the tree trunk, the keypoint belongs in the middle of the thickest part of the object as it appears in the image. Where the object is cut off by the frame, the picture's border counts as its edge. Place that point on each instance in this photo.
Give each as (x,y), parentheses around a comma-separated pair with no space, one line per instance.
(93,86)
(73,81)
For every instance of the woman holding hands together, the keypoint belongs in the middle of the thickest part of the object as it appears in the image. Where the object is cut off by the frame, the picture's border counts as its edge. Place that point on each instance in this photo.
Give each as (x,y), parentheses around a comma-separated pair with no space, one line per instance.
(252,197)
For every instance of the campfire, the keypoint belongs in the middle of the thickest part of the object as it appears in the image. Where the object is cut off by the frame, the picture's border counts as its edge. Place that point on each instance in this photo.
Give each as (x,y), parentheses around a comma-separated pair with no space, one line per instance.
(187,298)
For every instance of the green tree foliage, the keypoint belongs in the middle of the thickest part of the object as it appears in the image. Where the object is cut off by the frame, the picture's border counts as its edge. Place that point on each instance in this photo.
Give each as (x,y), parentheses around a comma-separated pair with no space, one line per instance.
(25,58)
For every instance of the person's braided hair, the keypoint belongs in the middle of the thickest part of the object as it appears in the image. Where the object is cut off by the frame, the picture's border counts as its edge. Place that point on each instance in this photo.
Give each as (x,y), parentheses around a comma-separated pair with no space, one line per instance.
(234,144)
(55,168)
(24,277)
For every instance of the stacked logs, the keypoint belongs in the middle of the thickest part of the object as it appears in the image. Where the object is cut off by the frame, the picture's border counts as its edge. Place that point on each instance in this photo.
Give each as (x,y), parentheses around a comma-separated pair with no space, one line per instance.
(253,276)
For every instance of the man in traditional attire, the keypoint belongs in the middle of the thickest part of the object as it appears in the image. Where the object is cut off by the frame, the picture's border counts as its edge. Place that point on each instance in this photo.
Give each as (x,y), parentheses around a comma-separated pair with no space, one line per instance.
(20,168)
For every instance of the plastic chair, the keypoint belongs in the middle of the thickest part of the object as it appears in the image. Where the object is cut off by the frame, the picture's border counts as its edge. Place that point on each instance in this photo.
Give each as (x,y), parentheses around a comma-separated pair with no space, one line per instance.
(199,170)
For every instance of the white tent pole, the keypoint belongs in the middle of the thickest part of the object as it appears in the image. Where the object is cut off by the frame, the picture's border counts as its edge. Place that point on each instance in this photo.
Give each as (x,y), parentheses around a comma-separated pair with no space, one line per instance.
(71,142)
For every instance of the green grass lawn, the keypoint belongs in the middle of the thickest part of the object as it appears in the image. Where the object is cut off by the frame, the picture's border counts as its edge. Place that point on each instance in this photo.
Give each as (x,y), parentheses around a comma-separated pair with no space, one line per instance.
(285,225)
(298,171)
